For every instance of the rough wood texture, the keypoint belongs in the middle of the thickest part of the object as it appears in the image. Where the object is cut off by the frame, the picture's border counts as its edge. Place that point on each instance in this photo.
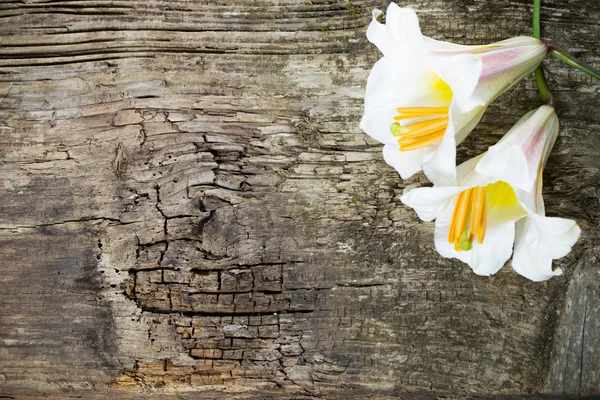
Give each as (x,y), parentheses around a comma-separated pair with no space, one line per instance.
(188,204)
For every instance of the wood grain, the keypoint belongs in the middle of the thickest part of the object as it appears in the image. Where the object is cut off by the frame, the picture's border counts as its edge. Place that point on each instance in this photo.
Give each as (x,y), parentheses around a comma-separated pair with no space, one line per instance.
(188,204)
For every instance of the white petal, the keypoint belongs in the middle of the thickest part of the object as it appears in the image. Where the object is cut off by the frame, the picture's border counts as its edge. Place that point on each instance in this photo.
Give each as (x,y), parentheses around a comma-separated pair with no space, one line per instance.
(506,162)
(446,49)
(399,35)
(403,26)
(465,173)
(556,235)
(391,85)
(484,259)
(441,168)
(464,123)
(407,163)
(376,31)
(531,200)
(467,176)
(540,240)
(376,123)
(431,202)
(535,267)
(462,73)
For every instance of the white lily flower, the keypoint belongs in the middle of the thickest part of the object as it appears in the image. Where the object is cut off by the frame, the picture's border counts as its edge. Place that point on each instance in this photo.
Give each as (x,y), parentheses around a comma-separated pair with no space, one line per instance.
(496,201)
(425,96)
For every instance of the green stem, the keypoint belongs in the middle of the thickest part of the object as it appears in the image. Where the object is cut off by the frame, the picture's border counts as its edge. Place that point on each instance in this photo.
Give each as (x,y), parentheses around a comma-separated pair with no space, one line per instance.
(536,18)
(543,87)
(567,59)
(540,79)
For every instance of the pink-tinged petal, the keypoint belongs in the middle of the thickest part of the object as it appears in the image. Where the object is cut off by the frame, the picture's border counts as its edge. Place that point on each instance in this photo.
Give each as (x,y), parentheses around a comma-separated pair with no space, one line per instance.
(538,241)
(505,64)
(496,67)
(431,202)
(543,130)
(485,258)
(520,155)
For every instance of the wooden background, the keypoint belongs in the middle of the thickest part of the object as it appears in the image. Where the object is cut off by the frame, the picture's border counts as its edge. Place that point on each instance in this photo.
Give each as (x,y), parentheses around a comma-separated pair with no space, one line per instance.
(188,204)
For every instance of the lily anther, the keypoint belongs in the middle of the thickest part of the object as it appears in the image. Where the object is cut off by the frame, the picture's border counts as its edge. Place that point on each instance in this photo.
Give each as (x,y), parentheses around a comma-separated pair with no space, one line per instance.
(419,126)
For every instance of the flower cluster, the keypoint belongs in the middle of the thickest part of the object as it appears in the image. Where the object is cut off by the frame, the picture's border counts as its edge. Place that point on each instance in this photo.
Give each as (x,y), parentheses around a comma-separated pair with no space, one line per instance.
(423,98)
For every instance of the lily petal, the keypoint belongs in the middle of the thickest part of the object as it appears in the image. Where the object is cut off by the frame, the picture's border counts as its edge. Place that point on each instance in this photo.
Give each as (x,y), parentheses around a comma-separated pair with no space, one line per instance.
(497,67)
(462,73)
(403,26)
(485,258)
(464,123)
(539,240)
(506,63)
(376,32)
(507,163)
(401,33)
(519,157)
(407,163)
(441,168)
(429,202)
(391,85)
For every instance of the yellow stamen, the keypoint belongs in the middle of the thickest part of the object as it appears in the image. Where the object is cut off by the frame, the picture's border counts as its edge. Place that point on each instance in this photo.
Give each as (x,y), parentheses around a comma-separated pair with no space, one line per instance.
(462,214)
(477,209)
(430,126)
(412,137)
(468,219)
(424,111)
(482,222)
(417,143)
(426,127)
(454,216)
(421,125)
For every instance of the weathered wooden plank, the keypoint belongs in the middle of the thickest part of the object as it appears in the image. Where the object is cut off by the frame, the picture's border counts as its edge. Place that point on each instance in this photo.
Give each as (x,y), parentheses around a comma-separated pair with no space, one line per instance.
(189,204)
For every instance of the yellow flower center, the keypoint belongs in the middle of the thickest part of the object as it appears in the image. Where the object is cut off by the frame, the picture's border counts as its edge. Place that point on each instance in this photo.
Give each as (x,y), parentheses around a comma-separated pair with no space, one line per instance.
(470,216)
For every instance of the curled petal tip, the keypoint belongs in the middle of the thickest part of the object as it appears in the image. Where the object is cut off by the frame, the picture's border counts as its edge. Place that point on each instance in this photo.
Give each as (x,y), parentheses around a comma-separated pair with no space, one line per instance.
(377,14)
